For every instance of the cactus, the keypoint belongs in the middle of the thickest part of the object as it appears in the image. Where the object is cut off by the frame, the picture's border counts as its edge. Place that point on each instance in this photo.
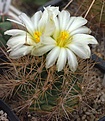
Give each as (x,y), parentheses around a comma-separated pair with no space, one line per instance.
(47,92)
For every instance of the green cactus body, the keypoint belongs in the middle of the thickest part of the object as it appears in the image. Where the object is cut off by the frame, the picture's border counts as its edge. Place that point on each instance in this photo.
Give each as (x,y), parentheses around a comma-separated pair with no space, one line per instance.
(46,91)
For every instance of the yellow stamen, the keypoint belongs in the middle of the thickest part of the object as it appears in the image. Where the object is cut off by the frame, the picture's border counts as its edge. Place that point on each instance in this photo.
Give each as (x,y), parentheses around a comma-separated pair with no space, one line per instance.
(64,35)
(36,36)
(63,39)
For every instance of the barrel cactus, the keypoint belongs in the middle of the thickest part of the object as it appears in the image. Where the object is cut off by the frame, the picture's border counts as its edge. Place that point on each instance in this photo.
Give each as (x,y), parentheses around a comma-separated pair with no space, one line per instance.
(43,71)
(46,92)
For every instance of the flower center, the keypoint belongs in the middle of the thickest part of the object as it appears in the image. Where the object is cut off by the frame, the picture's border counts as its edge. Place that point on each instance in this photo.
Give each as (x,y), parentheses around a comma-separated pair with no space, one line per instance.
(63,39)
(36,36)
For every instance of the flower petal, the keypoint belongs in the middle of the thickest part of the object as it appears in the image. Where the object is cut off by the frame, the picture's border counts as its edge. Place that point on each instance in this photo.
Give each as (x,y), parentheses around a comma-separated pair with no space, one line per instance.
(43,22)
(83,51)
(46,23)
(84,39)
(41,50)
(48,40)
(15,32)
(64,17)
(81,30)
(15,41)
(78,22)
(61,59)
(52,57)
(35,19)
(17,22)
(49,28)
(29,40)
(57,29)
(72,60)
(20,51)
(52,11)
(27,22)
(70,22)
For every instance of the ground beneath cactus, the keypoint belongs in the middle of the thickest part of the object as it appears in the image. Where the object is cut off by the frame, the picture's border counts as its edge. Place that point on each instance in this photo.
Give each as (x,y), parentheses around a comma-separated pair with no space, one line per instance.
(3,116)
(92,101)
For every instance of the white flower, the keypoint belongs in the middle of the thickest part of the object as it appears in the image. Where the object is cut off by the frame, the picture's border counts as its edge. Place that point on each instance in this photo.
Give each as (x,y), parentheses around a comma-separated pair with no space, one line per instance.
(70,38)
(37,28)
(64,36)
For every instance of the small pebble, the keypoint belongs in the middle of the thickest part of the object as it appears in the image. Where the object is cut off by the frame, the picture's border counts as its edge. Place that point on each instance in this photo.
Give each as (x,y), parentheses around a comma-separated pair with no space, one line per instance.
(3,116)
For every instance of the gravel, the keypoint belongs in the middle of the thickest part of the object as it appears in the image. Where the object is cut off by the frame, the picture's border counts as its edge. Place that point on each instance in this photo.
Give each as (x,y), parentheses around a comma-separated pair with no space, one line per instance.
(3,116)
